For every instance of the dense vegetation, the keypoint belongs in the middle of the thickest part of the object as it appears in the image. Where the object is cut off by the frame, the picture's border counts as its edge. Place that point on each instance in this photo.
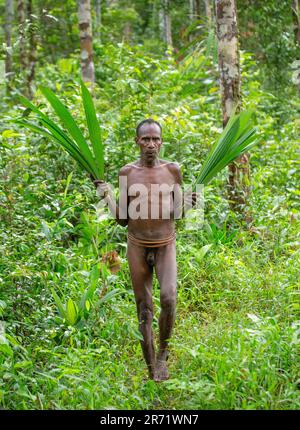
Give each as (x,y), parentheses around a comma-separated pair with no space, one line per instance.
(236,337)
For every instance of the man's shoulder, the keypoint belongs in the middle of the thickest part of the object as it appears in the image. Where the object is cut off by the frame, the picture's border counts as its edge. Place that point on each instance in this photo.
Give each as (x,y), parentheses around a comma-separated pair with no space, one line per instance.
(126,169)
(172,165)
(174,169)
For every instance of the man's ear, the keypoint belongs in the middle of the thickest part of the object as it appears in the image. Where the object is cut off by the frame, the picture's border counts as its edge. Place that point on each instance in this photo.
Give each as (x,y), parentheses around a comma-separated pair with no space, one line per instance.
(136,139)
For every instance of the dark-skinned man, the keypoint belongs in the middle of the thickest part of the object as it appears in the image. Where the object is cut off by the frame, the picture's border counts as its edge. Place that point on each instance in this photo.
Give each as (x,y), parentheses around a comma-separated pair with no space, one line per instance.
(149,186)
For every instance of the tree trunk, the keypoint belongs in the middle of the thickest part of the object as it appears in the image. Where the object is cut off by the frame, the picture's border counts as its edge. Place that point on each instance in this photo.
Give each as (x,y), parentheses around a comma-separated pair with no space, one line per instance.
(98,20)
(86,40)
(21,13)
(228,53)
(208,12)
(191,10)
(9,12)
(127,31)
(32,49)
(167,24)
(192,17)
(296,21)
(161,22)
(197,8)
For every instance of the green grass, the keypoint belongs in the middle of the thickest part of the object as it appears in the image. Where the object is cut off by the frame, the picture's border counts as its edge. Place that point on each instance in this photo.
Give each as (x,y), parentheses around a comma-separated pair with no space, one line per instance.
(234,344)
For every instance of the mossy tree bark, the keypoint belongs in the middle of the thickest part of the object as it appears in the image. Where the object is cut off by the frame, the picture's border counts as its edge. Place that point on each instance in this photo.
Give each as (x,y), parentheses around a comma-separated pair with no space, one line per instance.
(230,84)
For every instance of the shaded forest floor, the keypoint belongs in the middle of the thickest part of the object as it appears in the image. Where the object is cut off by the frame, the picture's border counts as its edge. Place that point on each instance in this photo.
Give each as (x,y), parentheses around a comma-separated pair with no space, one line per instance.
(237,331)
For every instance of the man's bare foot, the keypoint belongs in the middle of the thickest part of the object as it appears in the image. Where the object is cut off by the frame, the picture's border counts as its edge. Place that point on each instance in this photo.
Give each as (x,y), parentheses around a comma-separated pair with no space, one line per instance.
(161,371)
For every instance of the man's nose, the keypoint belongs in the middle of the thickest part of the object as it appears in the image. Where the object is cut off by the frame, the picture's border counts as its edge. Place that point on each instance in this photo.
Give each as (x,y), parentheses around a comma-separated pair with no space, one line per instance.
(151,144)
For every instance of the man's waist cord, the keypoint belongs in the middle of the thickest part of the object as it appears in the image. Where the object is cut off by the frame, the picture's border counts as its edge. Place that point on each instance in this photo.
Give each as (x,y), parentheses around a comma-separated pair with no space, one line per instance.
(151,243)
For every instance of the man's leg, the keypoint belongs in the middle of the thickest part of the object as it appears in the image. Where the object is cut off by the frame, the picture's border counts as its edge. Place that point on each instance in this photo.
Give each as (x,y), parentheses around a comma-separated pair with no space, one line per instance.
(141,276)
(166,271)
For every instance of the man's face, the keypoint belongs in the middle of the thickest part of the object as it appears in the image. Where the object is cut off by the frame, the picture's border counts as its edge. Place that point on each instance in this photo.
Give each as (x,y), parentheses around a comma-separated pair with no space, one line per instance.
(149,140)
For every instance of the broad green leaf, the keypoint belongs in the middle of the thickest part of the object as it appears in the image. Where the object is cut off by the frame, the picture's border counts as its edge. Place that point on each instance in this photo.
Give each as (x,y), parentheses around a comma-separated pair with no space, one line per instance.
(59,304)
(71,312)
(202,252)
(94,129)
(93,281)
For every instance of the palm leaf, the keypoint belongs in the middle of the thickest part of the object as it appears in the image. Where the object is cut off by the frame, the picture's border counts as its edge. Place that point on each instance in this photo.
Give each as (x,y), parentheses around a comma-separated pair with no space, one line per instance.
(236,138)
(70,125)
(77,148)
(94,129)
(231,156)
(59,139)
(219,148)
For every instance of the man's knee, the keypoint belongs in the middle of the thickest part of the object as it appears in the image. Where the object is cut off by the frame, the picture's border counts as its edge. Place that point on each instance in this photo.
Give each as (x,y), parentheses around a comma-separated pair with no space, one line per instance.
(145,312)
(168,300)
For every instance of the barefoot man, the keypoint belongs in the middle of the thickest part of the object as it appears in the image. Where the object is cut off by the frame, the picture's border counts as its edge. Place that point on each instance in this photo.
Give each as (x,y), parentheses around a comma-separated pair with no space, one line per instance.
(147,190)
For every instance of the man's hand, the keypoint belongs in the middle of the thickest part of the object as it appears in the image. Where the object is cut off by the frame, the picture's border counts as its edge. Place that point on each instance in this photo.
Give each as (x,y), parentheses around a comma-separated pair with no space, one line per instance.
(102,188)
(195,197)
(190,199)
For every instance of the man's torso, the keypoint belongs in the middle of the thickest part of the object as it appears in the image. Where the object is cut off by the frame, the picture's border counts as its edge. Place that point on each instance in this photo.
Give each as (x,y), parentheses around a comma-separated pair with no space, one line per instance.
(151,199)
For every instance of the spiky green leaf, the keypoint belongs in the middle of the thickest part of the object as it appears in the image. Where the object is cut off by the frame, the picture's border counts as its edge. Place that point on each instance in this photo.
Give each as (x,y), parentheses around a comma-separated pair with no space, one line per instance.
(94,129)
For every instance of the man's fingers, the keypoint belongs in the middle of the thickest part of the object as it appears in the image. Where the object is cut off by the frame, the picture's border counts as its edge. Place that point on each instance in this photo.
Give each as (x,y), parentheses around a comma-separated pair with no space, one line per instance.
(103,189)
(98,182)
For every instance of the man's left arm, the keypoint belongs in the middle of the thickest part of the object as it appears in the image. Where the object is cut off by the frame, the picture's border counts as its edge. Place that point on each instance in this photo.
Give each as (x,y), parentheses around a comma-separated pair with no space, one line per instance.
(183,201)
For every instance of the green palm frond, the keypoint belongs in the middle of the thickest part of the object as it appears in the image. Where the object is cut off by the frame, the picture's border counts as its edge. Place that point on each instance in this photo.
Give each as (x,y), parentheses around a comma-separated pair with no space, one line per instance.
(70,136)
(237,138)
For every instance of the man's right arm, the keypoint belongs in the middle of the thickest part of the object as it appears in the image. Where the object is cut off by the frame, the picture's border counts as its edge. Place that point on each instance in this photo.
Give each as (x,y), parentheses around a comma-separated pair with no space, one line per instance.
(122,208)
(104,191)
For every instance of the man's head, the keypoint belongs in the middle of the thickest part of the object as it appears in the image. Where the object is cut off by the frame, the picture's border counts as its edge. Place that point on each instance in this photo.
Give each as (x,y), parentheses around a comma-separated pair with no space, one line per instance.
(148,137)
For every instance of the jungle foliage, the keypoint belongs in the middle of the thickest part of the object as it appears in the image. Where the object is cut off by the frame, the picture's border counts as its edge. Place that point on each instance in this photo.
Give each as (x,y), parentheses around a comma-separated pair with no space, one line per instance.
(69,337)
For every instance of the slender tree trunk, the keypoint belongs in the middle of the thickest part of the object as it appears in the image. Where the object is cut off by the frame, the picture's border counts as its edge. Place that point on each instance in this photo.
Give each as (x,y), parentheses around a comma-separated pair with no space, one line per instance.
(161,22)
(296,21)
(228,53)
(127,31)
(167,23)
(98,20)
(9,12)
(208,11)
(197,8)
(32,49)
(21,13)
(191,10)
(86,40)
(191,16)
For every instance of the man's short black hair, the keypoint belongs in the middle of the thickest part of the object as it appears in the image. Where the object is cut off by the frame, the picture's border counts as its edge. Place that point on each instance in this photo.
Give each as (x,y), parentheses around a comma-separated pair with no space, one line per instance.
(147,121)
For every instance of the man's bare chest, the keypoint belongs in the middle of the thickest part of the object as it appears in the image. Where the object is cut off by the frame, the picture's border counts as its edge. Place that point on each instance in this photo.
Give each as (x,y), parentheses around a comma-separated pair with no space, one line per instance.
(150,177)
